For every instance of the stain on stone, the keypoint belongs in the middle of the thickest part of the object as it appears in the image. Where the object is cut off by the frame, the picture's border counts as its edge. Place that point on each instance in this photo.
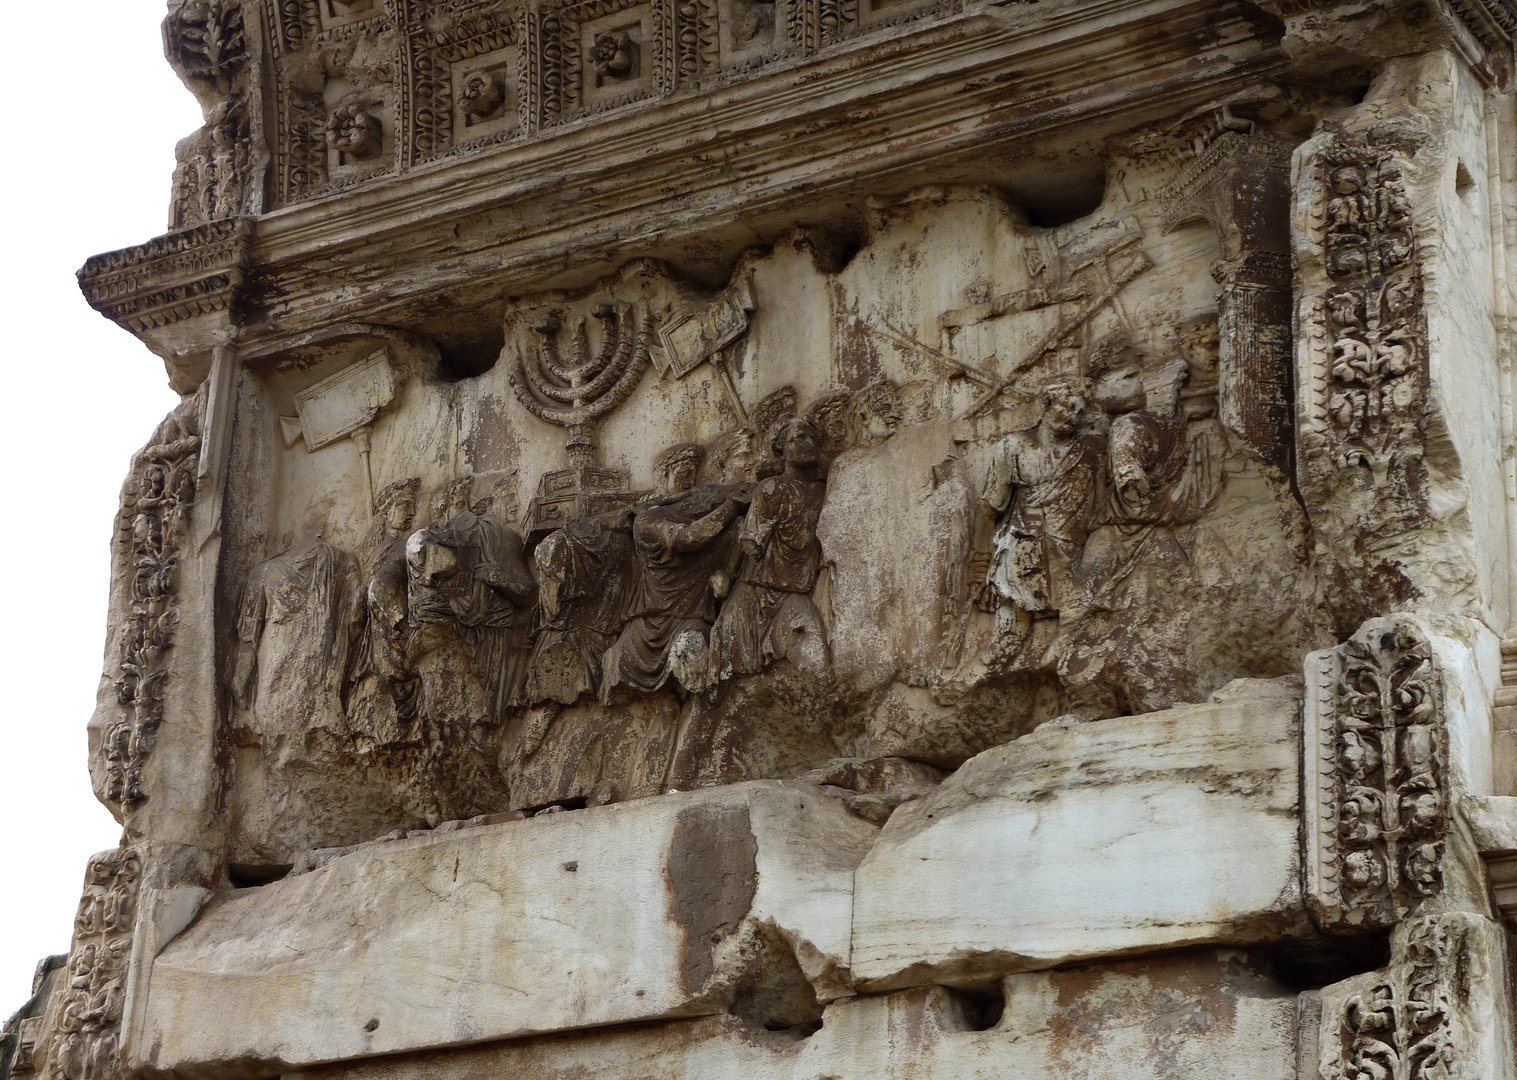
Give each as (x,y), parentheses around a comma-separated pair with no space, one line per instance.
(712,876)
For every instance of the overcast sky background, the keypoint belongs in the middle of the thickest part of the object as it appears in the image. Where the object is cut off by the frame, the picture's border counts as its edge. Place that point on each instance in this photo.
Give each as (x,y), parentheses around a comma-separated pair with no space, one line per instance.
(91,153)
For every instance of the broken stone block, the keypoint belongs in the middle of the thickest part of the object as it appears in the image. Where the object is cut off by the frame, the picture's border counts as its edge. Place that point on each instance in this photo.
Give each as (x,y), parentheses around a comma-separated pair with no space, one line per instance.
(1120,836)
(738,898)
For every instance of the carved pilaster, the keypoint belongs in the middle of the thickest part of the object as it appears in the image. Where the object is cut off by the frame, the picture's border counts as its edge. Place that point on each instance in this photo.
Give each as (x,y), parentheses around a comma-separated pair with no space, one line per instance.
(1363,331)
(1377,777)
(1437,1010)
(81,1030)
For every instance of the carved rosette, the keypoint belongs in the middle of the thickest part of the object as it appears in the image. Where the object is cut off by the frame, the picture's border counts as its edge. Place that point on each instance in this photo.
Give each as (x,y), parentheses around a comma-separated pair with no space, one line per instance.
(1363,324)
(83,1019)
(1377,752)
(1402,1025)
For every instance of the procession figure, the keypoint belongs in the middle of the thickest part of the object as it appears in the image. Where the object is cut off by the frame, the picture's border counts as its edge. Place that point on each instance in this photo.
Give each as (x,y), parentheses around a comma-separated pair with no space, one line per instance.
(770,614)
(586,574)
(382,699)
(469,594)
(687,551)
(298,617)
(1041,491)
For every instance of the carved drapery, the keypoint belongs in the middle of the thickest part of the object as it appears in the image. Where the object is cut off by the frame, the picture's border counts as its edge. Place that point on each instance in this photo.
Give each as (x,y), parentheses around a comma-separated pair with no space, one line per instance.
(1377,751)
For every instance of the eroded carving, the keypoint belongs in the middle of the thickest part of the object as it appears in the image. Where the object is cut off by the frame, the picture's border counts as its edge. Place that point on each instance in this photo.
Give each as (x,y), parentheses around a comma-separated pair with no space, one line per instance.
(84,1014)
(1403,1026)
(152,527)
(1377,362)
(1380,749)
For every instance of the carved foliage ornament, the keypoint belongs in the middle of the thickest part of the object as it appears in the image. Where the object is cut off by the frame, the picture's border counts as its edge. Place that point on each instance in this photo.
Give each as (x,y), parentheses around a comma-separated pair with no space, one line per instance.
(205,39)
(1367,332)
(85,1017)
(1401,1027)
(1379,754)
(152,527)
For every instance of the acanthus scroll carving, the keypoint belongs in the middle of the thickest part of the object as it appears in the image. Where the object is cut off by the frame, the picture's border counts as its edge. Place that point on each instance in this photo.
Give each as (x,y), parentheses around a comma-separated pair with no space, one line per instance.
(1366,331)
(84,1017)
(1402,1026)
(152,527)
(1381,752)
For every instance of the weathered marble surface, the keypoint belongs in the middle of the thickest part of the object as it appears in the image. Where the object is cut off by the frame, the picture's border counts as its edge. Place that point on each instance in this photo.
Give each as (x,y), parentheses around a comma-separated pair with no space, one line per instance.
(1143,833)
(1222,1019)
(679,906)
(714,538)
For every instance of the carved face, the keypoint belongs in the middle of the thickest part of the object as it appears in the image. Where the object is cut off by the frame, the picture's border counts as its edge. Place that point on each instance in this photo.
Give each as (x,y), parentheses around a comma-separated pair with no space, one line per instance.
(1062,406)
(1347,180)
(678,475)
(400,513)
(800,445)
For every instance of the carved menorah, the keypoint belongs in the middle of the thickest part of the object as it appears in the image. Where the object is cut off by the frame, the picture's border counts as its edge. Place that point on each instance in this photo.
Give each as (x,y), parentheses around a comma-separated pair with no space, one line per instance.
(573,386)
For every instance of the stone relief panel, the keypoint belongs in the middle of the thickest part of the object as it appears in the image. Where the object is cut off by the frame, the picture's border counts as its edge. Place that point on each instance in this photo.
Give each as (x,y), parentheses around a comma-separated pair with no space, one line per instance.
(82,1025)
(979,476)
(217,169)
(147,549)
(1377,757)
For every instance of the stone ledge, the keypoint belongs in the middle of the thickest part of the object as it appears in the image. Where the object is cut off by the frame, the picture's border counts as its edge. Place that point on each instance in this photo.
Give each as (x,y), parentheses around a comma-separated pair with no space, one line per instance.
(632,912)
(1142,833)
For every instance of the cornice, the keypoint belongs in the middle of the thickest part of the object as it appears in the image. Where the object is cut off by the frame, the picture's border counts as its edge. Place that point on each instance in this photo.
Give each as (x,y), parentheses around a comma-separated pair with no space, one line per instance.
(958,98)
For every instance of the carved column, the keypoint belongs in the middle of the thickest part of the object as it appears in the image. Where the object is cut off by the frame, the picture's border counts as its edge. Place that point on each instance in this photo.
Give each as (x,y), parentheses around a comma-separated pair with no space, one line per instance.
(1240,183)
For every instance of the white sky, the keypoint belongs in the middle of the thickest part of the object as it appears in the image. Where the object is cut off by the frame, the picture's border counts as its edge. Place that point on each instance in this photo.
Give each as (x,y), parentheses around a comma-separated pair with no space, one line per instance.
(93,113)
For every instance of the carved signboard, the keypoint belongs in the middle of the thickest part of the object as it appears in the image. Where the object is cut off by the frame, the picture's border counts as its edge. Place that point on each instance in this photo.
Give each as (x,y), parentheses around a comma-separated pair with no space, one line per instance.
(342,403)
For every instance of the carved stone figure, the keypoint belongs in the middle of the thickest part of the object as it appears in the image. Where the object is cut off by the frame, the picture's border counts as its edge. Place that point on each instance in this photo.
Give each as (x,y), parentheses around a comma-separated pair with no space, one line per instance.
(586,574)
(874,413)
(382,702)
(1042,488)
(298,618)
(770,615)
(687,550)
(469,595)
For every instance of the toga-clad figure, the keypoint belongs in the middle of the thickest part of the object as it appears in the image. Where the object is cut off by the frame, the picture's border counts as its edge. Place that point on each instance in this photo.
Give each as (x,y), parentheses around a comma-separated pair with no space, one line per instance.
(1042,483)
(469,594)
(687,550)
(770,612)
(586,574)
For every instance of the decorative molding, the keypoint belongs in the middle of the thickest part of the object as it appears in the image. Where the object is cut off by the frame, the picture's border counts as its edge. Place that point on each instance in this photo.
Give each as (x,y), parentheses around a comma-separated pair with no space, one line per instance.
(1376,765)
(83,1019)
(1363,322)
(181,275)
(1402,1025)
